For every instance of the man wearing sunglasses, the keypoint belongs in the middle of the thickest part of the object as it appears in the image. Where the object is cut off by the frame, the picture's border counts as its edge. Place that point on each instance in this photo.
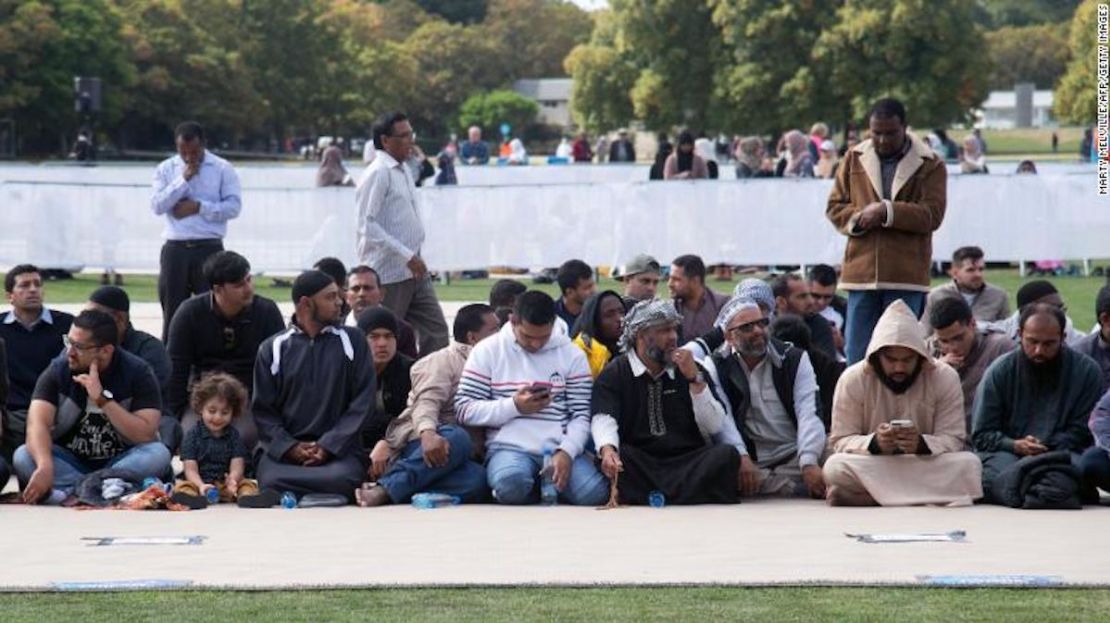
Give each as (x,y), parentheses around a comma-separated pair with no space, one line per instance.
(770,392)
(95,406)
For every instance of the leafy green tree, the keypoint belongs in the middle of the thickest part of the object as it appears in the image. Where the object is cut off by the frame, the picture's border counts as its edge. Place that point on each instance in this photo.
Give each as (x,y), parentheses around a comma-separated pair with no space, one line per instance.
(536,35)
(600,98)
(1077,92)
(49,42)
(1037,54)
(994,14)
(768,82)
(456,11)
(929,54)
(489,110)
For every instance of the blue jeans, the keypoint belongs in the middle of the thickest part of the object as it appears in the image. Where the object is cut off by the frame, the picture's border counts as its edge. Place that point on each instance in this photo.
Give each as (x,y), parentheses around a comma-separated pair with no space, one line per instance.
(144,460)
(514,477)
(408,474)
(864,309)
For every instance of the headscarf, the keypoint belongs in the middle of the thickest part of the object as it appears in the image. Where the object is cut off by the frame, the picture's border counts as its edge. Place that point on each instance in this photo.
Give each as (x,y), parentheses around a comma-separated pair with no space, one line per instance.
(517,152)
(973,160)
(685,159)
(757,291)
(797,148)
(331,171)
(644,315)
(733,307)
(589,319)
(704,148)
(748,152)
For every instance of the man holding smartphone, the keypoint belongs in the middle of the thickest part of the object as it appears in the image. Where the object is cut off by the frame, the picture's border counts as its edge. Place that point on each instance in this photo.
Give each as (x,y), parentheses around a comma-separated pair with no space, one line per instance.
(898,435)
(529,386)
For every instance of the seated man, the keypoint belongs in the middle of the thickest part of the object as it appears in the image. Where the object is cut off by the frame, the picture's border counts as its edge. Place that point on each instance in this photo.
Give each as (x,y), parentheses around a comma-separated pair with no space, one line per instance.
(654,417)
(792,329)
(115,302)
(219,331)
(1095,463)
(313,390)
(770,392)
(391,371)
(95,406)
(425,448)
(530,387)
(364,291)
(640,277)
(898,433)
(1036,291)
(696,303)
(960,343)
(33,336)
(502,297)
(792,297)
(598,329)
(822,287)
(1096,345)
(988,303)
(576,284)
(5,469)
(1036,398)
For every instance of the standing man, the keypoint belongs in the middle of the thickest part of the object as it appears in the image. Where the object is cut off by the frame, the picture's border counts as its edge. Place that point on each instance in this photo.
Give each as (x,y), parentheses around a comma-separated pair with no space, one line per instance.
(198,193)
(622,149)
(390,233)
(889,198)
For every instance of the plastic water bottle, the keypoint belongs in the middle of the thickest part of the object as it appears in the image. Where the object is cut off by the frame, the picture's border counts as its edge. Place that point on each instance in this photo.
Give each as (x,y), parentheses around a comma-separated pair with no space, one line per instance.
(656,499)
(549,495)
(151,480)
(288,501)
(434,500)
(212,495)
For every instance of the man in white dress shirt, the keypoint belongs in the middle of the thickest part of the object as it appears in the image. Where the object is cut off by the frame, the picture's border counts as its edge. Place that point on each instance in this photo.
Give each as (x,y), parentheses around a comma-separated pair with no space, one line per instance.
(390,233)
(197,193)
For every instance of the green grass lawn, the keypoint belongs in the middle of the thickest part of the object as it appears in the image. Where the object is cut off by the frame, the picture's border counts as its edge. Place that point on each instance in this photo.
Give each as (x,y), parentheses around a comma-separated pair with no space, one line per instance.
(593,605)
(1027,141)
(1078,292)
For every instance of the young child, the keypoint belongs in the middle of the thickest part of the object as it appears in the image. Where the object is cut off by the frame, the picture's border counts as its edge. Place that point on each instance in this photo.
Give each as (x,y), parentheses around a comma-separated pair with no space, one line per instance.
(212,451)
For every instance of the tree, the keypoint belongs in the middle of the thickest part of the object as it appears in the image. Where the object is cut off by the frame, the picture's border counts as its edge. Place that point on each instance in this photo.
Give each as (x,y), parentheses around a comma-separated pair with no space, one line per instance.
(600,98)
(536,35)
(1000,13)
(1037,54)
(928,54)
(767,81)
(456,11)
(79,38)
(489,110)
(1076,95)
(186,69)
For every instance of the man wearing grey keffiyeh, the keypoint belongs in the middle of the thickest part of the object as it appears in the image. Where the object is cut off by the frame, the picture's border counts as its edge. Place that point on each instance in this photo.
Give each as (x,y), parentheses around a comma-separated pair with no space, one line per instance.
(653,417)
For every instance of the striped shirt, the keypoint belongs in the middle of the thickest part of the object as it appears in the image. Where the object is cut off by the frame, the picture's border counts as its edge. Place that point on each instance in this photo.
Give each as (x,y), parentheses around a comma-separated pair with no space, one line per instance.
(498,367)
(390,232)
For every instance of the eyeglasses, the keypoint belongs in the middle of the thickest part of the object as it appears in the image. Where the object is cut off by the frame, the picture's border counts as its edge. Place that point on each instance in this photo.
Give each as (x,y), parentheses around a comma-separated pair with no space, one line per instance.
(69,343)
(408,134)
(748,327)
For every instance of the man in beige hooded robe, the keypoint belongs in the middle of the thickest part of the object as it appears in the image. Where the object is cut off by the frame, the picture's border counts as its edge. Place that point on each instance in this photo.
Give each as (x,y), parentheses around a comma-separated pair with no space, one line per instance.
(926,462)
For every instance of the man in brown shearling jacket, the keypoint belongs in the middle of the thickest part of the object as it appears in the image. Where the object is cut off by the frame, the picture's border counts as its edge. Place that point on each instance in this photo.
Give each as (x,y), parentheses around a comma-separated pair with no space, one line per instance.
(889,198)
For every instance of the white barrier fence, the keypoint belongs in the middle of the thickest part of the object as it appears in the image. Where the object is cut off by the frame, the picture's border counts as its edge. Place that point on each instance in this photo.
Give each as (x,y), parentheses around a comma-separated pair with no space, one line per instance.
(751,221)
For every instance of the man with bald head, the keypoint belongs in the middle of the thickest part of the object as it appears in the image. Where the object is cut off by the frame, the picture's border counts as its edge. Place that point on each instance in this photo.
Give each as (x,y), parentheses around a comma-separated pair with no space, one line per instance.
(1035,399)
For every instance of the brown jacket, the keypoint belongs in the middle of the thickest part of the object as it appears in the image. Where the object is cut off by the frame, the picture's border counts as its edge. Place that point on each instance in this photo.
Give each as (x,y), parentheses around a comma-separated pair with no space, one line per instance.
(897,255)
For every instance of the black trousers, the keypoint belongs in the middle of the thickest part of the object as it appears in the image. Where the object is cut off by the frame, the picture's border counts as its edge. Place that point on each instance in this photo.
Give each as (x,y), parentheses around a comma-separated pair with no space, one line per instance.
(180,274)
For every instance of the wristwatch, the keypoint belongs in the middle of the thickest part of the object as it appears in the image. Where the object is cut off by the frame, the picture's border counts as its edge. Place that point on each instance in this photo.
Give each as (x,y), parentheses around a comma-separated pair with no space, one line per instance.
(105,397)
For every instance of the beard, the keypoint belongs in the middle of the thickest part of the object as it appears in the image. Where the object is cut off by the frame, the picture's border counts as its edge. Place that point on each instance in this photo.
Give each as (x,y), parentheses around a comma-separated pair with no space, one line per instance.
(752,349)
(898,387)
(1042,374)
(322,321)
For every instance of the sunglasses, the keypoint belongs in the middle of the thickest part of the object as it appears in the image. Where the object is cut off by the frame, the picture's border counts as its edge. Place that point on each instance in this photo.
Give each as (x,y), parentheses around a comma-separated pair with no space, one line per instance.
(748,327)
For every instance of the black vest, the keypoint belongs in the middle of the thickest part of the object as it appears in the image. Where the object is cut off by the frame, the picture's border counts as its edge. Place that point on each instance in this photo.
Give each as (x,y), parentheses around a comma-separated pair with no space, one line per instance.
(738,392)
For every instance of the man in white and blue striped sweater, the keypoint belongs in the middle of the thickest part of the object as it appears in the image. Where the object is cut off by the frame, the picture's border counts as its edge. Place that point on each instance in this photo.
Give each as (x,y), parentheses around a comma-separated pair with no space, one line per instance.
(530,387)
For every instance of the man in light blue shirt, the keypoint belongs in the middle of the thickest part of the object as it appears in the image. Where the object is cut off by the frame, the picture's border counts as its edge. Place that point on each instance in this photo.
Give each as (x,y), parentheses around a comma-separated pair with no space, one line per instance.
(197,193)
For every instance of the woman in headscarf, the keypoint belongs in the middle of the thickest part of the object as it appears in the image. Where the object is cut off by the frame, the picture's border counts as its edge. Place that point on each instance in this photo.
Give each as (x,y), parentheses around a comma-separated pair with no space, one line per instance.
(331,171)
(704,148)
(749,158)
(684,164)
(598,329)
(826,164)
(517,154)
(972,159)
(799,162)
(665,150)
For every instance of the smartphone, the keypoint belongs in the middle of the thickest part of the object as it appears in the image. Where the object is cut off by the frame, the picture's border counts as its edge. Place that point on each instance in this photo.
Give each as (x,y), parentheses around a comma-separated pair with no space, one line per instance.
(901,423)
(540,390)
